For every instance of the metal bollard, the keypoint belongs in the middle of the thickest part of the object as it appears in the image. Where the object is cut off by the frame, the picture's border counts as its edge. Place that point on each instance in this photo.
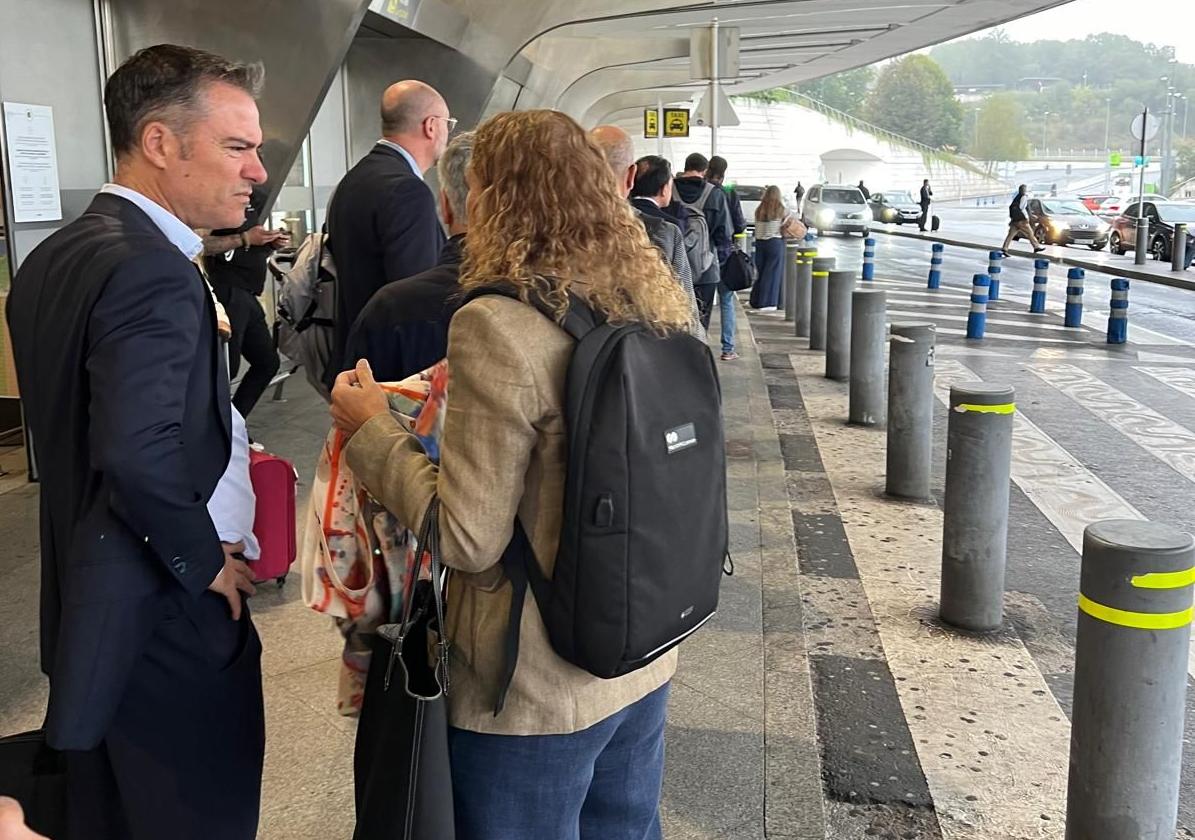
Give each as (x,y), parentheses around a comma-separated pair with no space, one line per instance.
(977,318)
(869,259)
(935,266)
(1130,681)
(792,258)
(1074,298)
(910,410)
(868,317)
(1141,244)
(1118,314)
(804,289)
(1178,251)
(975,509)
(1041,276)
(995,258)
(838,324)
(822,266)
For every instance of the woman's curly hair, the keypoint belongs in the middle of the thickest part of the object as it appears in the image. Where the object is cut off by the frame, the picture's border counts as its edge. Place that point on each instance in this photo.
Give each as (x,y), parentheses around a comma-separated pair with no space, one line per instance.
(545,216)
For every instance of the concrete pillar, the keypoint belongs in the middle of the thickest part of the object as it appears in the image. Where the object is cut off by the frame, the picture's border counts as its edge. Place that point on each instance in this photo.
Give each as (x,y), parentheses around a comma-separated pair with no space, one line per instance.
(838,325)
(1041,277)
(1118,314)
(975,512)
(910,409)
(1074,298)
(1130,681)
(792,256)
(822,266)
(804,289)
(977,318)
(868,329)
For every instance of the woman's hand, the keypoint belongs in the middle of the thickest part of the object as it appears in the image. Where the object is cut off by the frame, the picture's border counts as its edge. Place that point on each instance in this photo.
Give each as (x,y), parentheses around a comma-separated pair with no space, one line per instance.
(356,398)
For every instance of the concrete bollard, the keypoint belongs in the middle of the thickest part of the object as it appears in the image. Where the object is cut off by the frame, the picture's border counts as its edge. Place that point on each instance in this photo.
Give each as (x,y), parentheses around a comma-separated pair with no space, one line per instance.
(1041,276)
(977,318)
(1141,249)
(868,327)
(995,259)
(910,410)
(838,325)
(869,259)
(1178,251)
(935,266)
(975,510)
(1074,298)
(1118,314)
(792,257)
(1130,681)
(803,303)
(819,289)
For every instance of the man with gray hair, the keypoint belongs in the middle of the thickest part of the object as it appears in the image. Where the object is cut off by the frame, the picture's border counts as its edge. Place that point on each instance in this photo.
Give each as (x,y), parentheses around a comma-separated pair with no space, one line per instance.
(382,223)
(619,150)
(404,327)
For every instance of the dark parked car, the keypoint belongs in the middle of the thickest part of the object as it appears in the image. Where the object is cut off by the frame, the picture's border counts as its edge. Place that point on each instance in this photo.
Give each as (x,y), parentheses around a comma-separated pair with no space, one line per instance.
(895,206)
(1162,217)
(1067,221)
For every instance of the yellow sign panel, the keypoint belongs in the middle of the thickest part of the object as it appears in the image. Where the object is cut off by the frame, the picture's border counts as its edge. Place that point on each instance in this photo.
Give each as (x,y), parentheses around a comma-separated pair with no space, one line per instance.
(651,123)
(676,122)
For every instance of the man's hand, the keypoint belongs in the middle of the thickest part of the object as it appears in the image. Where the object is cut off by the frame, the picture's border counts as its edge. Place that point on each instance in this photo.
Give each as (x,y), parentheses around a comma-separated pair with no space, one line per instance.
(12,822)
(356,398)
(234,579)
(258,235)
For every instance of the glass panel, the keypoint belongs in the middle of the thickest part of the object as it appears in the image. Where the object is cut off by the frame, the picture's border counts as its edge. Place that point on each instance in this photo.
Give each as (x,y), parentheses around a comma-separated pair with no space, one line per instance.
(300,169)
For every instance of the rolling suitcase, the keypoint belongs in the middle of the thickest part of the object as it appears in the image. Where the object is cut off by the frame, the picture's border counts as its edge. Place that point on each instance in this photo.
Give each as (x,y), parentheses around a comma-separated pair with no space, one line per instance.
(273,480)
(935,223)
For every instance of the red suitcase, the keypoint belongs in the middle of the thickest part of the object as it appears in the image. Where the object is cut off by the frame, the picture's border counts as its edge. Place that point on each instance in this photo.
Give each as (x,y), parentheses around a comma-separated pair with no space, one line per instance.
(273,480)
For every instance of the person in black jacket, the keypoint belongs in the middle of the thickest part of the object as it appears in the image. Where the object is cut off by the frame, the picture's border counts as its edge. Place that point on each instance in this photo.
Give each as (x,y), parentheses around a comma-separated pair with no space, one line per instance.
(927,196)
(236,268)
(404,327)
(382,223)
(716,175)
(153,662)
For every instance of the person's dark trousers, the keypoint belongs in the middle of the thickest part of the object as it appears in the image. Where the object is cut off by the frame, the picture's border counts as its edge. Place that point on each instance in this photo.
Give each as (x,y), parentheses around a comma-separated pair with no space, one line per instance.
(924,219)
(602,783)
(250,340)
(705,301)
(183,757)
(769,262)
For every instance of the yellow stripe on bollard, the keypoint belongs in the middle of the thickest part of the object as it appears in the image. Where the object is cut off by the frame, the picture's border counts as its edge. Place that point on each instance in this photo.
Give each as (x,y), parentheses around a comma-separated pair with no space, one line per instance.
(1003,408)
(1137,620)
(821,274)
(1164,580)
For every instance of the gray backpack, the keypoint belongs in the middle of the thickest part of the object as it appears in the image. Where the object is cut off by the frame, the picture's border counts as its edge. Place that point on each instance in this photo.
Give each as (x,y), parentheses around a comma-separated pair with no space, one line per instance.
(699,246)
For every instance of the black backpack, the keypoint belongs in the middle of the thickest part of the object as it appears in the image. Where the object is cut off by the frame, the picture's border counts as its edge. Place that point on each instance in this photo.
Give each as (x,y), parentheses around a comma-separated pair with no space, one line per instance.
(644,541)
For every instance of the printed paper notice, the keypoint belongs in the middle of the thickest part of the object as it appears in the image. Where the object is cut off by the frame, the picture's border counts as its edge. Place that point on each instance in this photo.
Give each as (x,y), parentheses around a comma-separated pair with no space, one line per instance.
(32,162)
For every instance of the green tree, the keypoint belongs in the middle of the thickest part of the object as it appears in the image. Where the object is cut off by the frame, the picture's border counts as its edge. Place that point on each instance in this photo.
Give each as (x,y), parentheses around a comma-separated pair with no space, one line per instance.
(914,97)
(845,91)
(1185,158)
(1001,134)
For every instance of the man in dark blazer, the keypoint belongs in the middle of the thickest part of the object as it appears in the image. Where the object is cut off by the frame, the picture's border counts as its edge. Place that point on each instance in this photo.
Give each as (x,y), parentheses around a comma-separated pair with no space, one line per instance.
(382,223)
(153,662)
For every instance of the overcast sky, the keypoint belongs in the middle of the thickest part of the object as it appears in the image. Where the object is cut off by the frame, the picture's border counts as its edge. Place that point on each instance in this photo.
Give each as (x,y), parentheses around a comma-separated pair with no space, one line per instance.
(1162,22)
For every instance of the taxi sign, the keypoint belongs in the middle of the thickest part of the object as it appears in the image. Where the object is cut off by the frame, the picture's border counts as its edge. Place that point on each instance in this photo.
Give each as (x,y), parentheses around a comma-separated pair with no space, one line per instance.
(651,123)
(1115,159)
(676,122)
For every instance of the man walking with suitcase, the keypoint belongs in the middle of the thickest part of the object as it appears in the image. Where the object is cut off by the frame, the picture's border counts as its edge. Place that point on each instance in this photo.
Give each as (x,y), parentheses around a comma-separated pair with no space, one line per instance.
(154,664)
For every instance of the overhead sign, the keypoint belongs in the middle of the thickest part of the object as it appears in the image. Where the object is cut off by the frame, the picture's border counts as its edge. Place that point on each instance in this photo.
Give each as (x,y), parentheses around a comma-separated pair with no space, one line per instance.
(726,115)
(1145,126)
(676,122)
(651,123)
(1115,159)
(1140,160)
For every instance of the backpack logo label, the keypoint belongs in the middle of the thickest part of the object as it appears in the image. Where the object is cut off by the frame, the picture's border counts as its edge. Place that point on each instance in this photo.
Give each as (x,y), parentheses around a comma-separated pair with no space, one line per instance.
(682,437)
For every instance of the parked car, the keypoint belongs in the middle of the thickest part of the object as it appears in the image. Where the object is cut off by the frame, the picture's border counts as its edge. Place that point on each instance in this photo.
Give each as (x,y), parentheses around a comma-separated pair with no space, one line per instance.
(1113,205)
(1162,217)
(1092,202)
(833,207)
(749,198)
(1067,221)
(895,206)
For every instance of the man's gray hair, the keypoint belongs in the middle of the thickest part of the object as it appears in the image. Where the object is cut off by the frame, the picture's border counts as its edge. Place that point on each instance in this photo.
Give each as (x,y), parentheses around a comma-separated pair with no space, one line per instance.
(451,171)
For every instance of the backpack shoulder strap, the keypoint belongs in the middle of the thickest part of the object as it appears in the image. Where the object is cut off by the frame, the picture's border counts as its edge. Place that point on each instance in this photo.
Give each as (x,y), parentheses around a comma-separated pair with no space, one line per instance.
(706,191)
(522,570)
(579,321)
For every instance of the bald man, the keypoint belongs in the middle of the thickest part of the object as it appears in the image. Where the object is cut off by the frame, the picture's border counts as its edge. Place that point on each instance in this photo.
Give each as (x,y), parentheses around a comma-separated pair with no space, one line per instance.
(382,223)
(663,232)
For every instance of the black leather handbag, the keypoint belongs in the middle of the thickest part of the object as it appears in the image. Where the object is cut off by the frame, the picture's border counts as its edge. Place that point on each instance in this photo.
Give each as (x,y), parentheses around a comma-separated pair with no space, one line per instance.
(738,273)
(402,776)
(35,775)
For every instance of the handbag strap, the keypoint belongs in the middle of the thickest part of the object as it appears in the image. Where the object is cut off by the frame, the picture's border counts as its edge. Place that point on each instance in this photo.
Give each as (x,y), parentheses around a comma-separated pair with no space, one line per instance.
(429,541)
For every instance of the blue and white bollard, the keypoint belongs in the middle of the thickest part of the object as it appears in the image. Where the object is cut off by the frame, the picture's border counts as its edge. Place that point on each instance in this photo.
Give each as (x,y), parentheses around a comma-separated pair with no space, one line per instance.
(1041,276)
(935,266)
(977,318)
(1074,298)
(1118,316)
(869,259)
(994,260)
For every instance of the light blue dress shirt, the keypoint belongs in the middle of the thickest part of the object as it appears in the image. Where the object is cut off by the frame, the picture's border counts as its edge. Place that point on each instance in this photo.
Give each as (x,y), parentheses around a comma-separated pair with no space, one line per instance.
(181,236)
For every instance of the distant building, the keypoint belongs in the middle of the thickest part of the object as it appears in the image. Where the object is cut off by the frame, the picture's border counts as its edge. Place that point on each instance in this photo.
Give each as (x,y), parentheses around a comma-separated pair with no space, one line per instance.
(1037,84)
(975,93)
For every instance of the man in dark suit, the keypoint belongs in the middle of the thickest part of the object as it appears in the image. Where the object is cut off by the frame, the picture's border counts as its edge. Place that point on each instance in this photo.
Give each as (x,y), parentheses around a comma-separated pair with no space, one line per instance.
(382,223)
(927,197)
(404,328)
(153,662)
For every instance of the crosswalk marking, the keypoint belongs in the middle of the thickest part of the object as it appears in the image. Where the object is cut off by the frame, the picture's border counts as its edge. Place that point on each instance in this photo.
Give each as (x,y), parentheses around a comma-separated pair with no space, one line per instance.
(930,316)
(1180,379)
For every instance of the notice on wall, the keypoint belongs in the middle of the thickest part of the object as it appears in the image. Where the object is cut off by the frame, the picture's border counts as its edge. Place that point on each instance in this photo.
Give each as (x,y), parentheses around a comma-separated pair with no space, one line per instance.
(32,162)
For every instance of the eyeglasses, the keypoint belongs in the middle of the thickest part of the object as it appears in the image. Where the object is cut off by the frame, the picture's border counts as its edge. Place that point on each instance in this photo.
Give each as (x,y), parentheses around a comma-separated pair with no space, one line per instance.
(452,121)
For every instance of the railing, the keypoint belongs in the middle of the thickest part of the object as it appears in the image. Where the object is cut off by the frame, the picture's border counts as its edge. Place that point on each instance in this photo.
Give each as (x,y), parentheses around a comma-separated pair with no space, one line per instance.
(1061,154)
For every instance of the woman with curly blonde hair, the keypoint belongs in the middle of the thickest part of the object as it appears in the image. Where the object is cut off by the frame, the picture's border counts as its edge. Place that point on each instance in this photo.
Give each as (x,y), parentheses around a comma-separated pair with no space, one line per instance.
(569,755)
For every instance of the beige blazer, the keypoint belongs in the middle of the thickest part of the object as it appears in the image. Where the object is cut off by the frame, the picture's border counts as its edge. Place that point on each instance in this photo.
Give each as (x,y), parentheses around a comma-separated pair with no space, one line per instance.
(502,453)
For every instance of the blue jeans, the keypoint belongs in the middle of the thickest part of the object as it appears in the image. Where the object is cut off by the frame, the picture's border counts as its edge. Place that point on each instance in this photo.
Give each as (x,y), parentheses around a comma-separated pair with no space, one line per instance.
(602,783)
(705,302)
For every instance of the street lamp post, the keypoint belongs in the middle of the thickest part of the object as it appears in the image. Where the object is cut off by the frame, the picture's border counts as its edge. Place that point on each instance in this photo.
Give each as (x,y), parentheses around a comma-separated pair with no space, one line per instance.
(1186,111)
(1107,122)
(976,146)
(1045,121)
